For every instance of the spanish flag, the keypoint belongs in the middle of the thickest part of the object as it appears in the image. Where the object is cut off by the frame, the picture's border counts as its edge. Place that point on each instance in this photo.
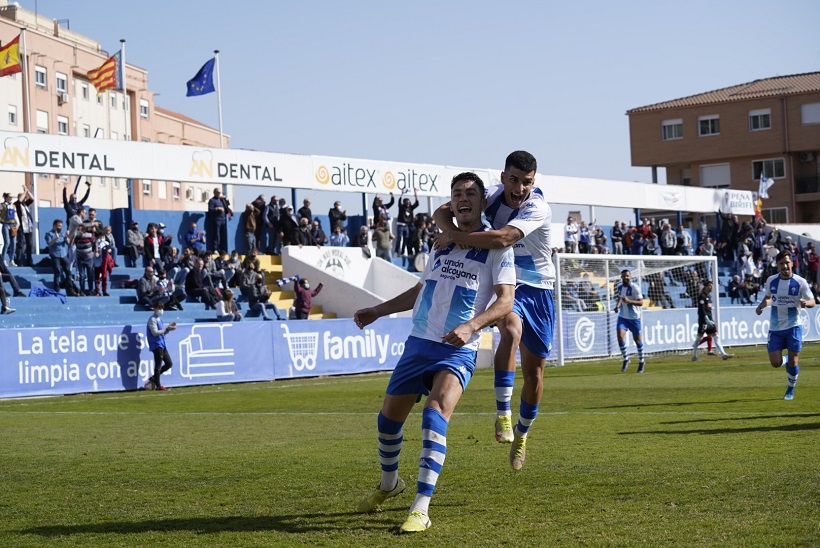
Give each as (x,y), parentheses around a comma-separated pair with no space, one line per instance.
(10,58)
(108,75)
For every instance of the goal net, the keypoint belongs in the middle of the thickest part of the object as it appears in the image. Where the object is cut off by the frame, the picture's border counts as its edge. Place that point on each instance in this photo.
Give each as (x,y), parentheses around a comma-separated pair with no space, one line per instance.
(585,298)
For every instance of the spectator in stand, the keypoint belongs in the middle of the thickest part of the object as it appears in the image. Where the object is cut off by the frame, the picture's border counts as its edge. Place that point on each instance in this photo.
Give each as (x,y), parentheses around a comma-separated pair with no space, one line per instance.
(638,243)
(657,291)
(811,261)
(233,265)
(165,240)
(737,292)
(305,212)
(25,231)
(337,216)
(703,230)
(112,243)
(7,276)
(599,239)
(252,257)
(303,235)
(224,264)
(382,237)
(362,241)
(86,247)
(148,292)
(253,288)
(318,234)
(219,212)
(288,226)
(8,217)
(94,224)
(197,288)
(303,297)
(404,222)
(196,239)
(759,243)
(178,265)
(338,238)
(584,238)
(645,228)
(752,288)
(571,235)
(259,205)
(152,252)
(381,211)
(70,203)
(270,216)
(3,298)
(668,241)
(169,289)
(728,239)
(57,244)
(651,247)
(134,244)
(226,309)
(103,265)
(616,236)
(248,223)
(629,233)
(684,241)
(708,247)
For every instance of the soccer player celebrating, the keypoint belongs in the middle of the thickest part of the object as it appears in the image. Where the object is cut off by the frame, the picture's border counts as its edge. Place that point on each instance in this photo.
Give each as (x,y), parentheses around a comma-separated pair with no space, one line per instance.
(450,306)
(629,301)
(706,325)
(522,218)
(787,292)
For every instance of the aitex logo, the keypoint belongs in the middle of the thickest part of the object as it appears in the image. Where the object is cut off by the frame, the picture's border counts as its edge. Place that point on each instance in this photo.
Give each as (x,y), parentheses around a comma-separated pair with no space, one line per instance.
(346,175)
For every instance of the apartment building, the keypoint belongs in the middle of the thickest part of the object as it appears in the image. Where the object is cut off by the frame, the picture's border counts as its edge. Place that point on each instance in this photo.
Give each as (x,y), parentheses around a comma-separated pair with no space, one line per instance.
(63,101)
(728,138)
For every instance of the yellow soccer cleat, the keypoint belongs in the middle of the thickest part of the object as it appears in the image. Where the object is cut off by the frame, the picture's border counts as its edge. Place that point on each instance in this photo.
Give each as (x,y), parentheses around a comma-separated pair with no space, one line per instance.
(503,429)
(518,451)
(416,522)
(376,497)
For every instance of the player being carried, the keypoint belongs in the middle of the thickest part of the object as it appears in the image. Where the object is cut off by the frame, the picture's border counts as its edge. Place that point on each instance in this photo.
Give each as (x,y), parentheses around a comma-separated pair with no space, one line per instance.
(706,325)
(522,218)
(787,292)
(629,301)
(450,305)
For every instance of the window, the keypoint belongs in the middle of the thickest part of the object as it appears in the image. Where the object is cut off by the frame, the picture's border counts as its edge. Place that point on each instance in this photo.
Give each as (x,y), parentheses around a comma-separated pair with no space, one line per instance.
(40,77)
(84,91)
(146,187)
(12,115)
(42,121)
(86,130)
(143,108)
(672,129)
(760,119)
(715,176)
(62,83)
(162,190)
(62,125)
(776,215)
(176,190)
(774,169)
(709,125)
(810,113)
(99,99)
(113,97)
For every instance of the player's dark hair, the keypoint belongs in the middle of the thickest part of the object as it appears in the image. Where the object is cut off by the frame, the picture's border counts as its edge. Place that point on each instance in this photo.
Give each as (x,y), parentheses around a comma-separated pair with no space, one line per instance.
(469,176)
(782,254)
(521,159)
(626,270)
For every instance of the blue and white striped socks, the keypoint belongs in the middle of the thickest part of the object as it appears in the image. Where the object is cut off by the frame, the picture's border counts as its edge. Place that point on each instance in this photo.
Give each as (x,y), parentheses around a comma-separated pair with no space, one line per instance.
(503,391)
(390,441)
(433,452)
(526,416)
(792,373)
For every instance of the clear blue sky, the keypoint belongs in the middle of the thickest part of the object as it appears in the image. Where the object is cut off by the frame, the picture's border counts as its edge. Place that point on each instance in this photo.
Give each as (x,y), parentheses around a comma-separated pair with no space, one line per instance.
(460,82)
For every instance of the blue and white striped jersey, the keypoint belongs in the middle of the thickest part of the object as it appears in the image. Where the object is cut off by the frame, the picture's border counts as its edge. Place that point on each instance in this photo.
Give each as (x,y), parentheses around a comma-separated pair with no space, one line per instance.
(630,311)
(533,253)
(785,303)
(457,286)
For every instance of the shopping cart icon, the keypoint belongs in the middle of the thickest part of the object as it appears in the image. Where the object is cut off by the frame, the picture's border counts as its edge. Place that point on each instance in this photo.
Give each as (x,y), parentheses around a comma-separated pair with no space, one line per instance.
(303,348)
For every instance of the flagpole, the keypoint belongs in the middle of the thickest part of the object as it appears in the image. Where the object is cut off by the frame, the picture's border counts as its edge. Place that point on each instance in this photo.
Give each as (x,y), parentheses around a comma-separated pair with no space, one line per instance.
(32,176)
(129,183)
(218,98)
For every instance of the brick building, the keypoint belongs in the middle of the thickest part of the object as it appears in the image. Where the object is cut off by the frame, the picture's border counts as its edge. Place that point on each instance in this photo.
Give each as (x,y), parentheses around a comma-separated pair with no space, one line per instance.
(728,137)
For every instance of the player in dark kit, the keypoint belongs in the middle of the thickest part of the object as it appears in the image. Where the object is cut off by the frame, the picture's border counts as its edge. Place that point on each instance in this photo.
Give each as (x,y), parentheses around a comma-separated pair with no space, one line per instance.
(706,324)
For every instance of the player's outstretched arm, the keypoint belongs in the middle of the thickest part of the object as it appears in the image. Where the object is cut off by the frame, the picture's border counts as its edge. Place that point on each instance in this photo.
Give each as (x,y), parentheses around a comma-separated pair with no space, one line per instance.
(502,306)
(400,303)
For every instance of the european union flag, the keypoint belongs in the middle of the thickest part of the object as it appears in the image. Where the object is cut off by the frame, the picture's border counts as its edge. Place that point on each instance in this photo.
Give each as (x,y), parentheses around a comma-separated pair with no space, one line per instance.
(203,82)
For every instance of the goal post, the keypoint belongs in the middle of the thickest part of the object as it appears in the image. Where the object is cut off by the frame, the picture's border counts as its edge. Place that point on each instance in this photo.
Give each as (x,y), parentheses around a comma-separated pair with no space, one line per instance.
(585,297)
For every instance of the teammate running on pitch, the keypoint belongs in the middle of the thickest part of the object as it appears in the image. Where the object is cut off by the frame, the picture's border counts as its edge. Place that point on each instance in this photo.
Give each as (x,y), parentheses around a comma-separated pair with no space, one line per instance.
(787,292)
(706,325)
(630,301)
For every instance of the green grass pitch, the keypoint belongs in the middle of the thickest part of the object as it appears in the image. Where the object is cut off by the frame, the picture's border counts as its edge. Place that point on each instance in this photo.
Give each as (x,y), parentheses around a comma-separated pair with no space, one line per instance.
(685,454)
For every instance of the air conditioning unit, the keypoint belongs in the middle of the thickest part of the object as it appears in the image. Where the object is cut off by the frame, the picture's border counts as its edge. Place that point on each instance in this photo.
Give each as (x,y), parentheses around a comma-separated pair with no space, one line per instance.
(805,157)
(62,97)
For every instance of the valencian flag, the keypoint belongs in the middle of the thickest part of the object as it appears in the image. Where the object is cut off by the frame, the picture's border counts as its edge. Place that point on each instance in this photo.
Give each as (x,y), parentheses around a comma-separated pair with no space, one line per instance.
(10,58)
(203,82)
(108,75)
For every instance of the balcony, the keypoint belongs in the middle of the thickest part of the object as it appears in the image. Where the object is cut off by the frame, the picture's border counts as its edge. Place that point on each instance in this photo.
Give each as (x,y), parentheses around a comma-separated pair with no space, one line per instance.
(807,185)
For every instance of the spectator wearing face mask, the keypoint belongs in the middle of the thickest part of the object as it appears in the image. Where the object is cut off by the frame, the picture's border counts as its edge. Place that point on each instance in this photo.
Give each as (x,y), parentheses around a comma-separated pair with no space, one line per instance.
(303,297)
